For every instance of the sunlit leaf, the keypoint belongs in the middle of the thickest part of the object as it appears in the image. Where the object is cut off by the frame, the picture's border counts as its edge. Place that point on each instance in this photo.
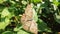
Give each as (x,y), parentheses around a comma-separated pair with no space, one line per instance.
(35,17)
(24,2)
(36,1)
(56,2)
(4,23)
(17,29)
(1,1)
(22,32)
(5,12)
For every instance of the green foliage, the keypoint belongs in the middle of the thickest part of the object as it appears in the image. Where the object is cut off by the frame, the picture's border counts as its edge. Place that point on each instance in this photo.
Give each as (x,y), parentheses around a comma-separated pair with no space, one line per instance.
(4,23)
(35,17)
(22,32)
(1,1)
(56,2)
(43,26)
(7,32)
(36,1)
(5,13)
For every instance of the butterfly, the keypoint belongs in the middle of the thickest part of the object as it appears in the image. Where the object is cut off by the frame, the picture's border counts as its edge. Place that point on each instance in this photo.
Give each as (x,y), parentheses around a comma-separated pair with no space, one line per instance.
(29,24)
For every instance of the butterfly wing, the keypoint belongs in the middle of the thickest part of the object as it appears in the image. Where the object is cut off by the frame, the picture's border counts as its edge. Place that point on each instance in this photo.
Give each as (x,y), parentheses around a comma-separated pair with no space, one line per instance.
(29,24)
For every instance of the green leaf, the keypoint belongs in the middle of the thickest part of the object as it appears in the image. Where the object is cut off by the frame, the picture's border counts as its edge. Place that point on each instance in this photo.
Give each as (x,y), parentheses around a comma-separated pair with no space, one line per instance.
(4,23)
(17,29)
(22,32)
(1,1)
(42,26)
(36,1)
(56,2)
(5,12)
(57,18)
(35,17)
(24,2)
(7,32)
